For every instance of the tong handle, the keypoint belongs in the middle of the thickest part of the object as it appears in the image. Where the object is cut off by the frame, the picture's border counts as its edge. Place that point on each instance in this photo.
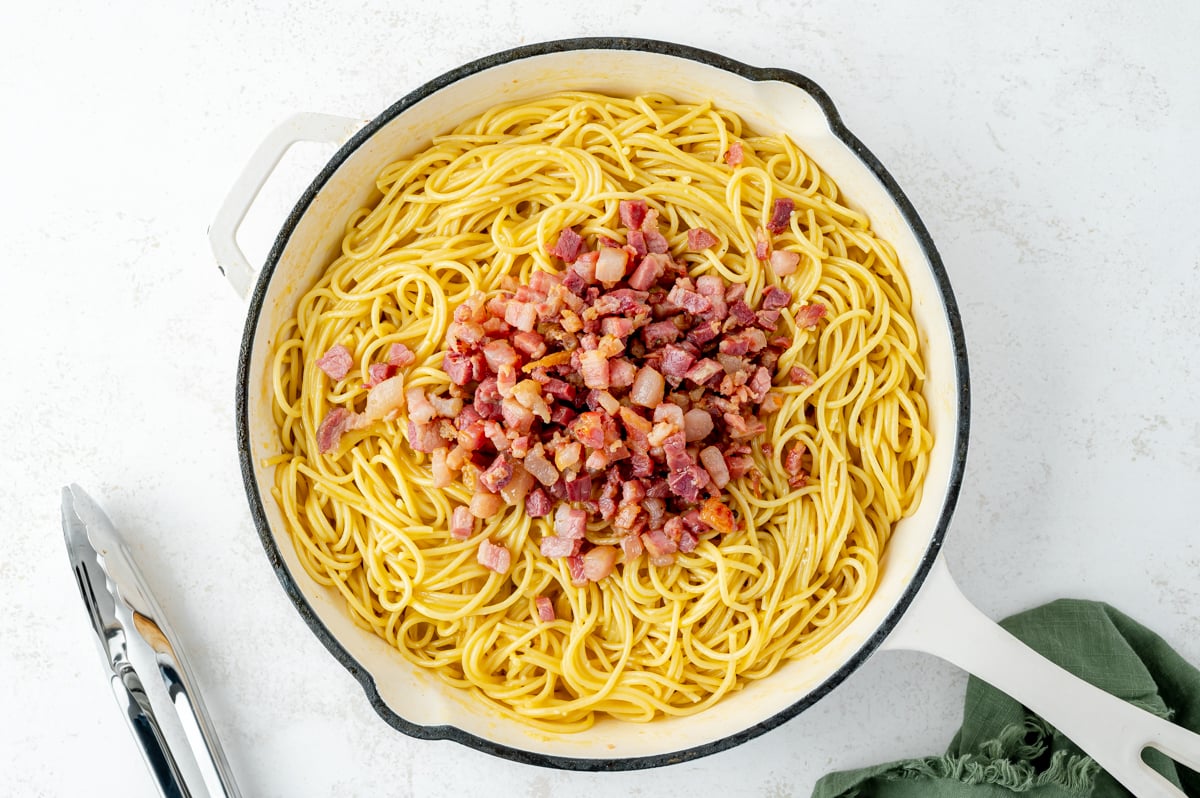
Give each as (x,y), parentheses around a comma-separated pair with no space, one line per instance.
(135,708)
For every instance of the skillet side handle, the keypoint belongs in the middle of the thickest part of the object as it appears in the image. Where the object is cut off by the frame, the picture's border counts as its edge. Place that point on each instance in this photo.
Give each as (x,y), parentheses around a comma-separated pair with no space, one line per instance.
(942,622)
(222,234)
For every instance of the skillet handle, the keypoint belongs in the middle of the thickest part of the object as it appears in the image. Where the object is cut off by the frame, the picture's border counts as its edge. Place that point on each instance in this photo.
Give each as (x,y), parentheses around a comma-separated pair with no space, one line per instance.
(222,234)
(942,622)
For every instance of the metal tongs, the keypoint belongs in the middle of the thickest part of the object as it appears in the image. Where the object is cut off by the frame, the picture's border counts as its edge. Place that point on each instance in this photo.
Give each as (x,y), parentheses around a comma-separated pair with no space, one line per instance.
(146,666)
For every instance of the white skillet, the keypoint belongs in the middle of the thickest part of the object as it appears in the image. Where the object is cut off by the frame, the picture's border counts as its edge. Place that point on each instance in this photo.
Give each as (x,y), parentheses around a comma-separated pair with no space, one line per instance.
(917,604)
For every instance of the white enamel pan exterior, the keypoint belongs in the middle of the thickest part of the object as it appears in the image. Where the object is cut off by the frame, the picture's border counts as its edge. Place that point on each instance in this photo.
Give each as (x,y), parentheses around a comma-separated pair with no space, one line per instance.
(916,604)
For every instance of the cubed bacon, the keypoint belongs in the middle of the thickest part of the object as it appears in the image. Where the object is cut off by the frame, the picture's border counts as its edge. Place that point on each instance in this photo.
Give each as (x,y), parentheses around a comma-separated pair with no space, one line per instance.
(688,542)
(621,373)
(485,505)
(378,372)
(611,266)
(575,569)
(749,340)
(471,310)
(632,546)
(464,336)
(446,406)
(537,503)
(472,436)
(588,429)
(516,416)
(627,517)
(767,319)
(688,482)
(540,467)
(798,375)
(647,273)
(714,463)
(632,213)
(617,326)
(521,315)
(675,447)
(598,562)
(715,514)
(335,424)
(632,491)
(793,461)
(543,281)
(734,155)
(740,427)
(660,547)
(656,243)
(676,362)
(555,546)
(759,384)
(531,344)
(659,333)
(585,267)
(762,244)
(419,408)
(637,427)
(518,486)
(580,488)
(775,297)
(784,262)
(570,523)
(607,507)
(400,356)
(647,389)
(693,521)
(567,455)
(497,474)
(497,306)
(593,367)
(494,557)
(624,301)
(574,282)
(336,362)
(462,523)
(798,481)
(636,240)
(697,424)
(442,476)
(701,334)
(424,437)
(659,490)
(544,608)
(739,465)
(781,215)
(529,394)
(807,316)
(500,353)
(598,460)
(559,389)
(704,370)
(700,239)
(568,245)
(690,301)
(742,312)
(462,368)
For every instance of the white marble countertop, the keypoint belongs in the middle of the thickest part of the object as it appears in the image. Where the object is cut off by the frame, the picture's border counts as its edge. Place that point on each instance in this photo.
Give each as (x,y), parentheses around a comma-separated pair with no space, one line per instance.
(1050,148)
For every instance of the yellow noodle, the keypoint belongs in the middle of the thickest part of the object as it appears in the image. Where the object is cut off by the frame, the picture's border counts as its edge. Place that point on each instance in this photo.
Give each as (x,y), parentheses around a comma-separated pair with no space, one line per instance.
(482,203)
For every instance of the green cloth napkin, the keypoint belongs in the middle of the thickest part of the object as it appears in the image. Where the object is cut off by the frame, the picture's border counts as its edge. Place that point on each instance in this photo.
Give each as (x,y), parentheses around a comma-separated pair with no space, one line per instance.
(1003,749)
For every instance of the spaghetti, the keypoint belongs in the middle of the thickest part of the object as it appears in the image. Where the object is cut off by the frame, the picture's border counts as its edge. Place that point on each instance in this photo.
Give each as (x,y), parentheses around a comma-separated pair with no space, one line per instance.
(483,203)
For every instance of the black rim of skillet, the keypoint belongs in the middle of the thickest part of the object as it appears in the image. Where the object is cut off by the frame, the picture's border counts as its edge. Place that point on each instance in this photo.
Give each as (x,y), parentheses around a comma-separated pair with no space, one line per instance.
(953,320)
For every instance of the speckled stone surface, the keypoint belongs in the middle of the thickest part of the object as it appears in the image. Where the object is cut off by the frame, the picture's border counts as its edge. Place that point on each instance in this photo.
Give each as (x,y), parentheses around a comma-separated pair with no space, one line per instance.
(1050,149)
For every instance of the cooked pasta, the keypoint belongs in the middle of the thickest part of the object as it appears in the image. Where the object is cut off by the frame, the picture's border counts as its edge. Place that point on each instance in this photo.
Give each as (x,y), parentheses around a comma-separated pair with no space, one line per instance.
(485,202)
